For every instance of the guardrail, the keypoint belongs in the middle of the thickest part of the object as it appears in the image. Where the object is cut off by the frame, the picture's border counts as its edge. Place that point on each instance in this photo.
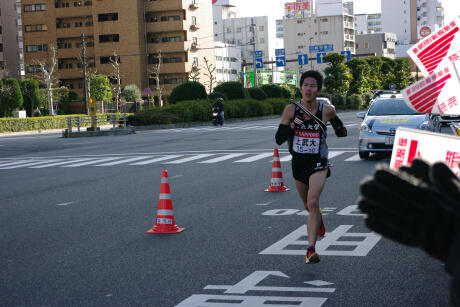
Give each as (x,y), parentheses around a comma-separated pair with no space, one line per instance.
(93,123)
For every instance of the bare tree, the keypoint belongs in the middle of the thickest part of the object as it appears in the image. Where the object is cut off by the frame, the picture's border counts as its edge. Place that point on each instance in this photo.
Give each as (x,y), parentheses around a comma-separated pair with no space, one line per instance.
(194,76)
(45,74)
(155,72)
(210,73)
(116,75)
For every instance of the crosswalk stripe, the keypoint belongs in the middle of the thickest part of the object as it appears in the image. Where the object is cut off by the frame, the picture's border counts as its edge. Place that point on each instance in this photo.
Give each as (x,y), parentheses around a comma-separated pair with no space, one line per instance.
(255,158)
(92,162)
(23,164)
(354,158)
(59,163)
(223,158)
(10,163)
(196,157)
(125,161)
(333,154)
(157,160)
(286,158)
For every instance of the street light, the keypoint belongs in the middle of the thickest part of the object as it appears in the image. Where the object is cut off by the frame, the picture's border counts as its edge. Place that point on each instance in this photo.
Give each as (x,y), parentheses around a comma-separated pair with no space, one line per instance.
(311,62)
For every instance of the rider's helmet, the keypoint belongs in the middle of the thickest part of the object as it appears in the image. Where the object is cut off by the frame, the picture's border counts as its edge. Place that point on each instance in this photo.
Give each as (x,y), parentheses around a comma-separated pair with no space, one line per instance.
(219,99)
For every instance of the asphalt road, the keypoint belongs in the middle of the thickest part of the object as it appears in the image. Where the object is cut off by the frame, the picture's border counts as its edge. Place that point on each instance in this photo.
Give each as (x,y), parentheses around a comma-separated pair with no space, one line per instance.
(74,212)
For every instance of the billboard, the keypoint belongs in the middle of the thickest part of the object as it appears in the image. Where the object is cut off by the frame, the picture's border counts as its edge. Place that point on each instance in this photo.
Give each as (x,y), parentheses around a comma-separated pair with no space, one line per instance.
(297,9)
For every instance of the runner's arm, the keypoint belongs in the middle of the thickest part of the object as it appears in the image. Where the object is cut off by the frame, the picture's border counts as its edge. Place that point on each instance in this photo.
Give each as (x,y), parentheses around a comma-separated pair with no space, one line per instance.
(285,128)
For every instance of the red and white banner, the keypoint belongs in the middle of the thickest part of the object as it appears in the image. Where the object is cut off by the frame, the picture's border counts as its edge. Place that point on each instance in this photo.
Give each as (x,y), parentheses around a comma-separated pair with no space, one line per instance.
(429,146)
(439,93)
(438,48)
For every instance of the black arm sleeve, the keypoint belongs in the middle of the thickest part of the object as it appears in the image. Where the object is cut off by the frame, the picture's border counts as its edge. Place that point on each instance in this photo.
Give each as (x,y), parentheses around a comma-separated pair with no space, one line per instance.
(336,123)
(283,133)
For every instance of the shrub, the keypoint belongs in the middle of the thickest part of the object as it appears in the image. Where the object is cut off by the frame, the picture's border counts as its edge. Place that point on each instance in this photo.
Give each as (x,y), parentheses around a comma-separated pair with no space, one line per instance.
(214,95)
(256,93)
(73,96)
(11,99)
(131,93)
(354,101)
(232,89)
(287,91)
(191,90)
(29,89)
(272,91)
(338,101)
(366,99)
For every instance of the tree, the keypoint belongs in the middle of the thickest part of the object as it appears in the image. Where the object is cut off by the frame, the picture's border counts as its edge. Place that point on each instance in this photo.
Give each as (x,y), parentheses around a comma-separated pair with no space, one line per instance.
(337,79)
(100,87)
(375,74)
(11,98)
(29,89)
(194,76)
(209,73)
(188,91)
(116,75)
(155,72)
(232,89)
(131,93)
(403,76)
(359,70)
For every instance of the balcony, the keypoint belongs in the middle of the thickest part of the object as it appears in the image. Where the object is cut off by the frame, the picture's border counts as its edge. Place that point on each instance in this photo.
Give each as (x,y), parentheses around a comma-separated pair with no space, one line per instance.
(171,68)
(68,53)
(166,26)
(195,26)
(73,11)
(195,67)
(194,47)
(165,47)
(70,73)
(164,5)
(194,4)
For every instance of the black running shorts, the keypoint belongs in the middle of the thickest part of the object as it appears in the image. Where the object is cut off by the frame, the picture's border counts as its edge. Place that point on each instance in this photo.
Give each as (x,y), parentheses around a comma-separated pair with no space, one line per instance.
(304,167)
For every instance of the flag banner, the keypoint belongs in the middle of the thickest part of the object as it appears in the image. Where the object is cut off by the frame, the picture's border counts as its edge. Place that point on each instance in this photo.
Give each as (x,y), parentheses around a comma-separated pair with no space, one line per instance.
(438,48)
(438,93)
(432,147)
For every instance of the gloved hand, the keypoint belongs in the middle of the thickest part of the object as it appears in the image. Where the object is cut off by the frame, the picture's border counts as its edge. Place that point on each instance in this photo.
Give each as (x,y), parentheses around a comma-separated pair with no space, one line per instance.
(417,205)
(341,132)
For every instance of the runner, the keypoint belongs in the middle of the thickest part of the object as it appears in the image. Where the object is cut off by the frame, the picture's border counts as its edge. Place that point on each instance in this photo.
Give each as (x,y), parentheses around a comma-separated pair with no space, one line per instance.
(303,124)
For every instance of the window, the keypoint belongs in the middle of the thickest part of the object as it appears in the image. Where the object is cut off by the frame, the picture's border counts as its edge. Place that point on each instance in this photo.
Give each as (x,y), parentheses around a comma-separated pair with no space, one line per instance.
(107,59)
(238,30)
(78,24)
(35,28)
(111,38)
(173,18)
(366,45)
(36,68)
(107,17)
(34,7)
(194,21)
(36,48)
(261,28)
(261,40)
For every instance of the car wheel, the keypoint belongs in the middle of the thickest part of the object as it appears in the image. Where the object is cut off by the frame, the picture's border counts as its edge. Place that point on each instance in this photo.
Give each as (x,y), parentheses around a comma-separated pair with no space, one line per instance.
(364,154)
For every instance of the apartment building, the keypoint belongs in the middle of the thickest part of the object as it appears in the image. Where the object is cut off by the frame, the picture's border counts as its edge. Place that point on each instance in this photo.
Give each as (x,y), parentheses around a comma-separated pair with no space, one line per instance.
(11,53)
(382,44)
(135,31)
(368,23)
(328,24)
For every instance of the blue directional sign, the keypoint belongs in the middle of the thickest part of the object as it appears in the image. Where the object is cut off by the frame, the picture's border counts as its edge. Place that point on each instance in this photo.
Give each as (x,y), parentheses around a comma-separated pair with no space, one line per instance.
(321,48)
(242,74)
(347,53)
(280,52)
(259,53)
(280,61)
(259,63)
(303,59)
(319,57)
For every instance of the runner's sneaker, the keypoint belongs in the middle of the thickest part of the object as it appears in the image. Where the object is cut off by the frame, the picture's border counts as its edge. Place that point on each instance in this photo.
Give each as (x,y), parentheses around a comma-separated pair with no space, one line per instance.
(322,229)
(312,257)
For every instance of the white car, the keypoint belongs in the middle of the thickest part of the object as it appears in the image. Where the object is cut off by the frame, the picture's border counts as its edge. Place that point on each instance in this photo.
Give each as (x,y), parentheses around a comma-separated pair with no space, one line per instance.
(377,131)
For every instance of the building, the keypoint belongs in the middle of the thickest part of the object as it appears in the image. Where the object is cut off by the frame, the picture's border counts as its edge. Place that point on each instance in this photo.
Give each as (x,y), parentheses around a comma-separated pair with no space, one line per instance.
(134,32)
(328,27)
(382,44)
(11,45)
(406,18)
(228,62)
(368,23)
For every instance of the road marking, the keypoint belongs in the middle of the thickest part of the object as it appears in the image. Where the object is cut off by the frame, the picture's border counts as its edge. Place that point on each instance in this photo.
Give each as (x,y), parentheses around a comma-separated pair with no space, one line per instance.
(333,154)
(9,163)
(124,161)
(255,158)
(223,158)
(66,204)
(92,162)
(156,160)
(60,163)
(354,158)
(196,157)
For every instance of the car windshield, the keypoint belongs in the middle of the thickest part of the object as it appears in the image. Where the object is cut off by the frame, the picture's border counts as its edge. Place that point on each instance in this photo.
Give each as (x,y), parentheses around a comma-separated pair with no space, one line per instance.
(391,106)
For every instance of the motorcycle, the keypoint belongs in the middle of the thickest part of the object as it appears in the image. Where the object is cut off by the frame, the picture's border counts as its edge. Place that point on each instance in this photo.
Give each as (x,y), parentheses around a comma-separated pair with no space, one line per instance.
(216,119)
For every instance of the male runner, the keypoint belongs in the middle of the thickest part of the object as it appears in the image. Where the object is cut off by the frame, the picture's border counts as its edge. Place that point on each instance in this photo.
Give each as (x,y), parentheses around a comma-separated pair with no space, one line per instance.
(306,137)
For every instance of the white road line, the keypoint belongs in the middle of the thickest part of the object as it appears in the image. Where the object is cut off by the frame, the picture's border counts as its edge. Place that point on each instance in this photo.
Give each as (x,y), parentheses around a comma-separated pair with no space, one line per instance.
(223,158)
(354,158)
(92,162)
(60,163)
(10,163)
(22,164)
(156,160)
(286,158)
(255,158)
(333,154)
(196,157)
(125,161)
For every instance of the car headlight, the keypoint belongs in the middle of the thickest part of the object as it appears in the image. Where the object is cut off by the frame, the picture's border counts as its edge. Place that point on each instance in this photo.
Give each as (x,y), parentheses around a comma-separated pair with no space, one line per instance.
(364,127)
(424,126)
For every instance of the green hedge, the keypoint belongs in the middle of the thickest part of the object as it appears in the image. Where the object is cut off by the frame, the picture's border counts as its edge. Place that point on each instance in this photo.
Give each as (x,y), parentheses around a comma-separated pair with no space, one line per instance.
(11,124)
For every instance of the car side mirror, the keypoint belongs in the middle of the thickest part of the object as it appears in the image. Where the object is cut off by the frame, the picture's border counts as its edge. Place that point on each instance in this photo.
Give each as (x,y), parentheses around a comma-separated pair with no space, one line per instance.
(361,115)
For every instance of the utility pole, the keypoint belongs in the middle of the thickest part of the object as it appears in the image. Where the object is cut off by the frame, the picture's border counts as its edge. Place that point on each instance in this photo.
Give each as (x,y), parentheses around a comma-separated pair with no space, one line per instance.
(254,50)
(83,46)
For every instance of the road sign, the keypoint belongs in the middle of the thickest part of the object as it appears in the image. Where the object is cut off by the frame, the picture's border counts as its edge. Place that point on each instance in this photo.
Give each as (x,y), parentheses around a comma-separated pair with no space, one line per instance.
(259,63)
(280,52)
(321,48)
(280,61)
(303,59)
(242,74)
(147,91)
(259,53)
(347,53)
(319,57)
(392,86)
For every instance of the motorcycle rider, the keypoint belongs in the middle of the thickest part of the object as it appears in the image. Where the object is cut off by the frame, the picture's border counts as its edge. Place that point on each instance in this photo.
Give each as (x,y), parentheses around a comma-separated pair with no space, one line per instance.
(219,108)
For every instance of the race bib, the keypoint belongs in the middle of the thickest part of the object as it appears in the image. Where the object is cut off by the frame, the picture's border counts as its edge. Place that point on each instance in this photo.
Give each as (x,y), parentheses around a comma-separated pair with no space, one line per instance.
(306,142)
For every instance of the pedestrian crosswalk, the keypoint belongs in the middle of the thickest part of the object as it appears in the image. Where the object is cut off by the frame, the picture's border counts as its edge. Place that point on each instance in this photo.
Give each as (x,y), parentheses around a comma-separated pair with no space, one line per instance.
(160,158)
(225,128)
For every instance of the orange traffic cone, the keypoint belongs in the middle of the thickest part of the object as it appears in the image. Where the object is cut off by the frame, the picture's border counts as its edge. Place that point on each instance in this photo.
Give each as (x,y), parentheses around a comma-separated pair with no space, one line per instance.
(165,215)
(276,182)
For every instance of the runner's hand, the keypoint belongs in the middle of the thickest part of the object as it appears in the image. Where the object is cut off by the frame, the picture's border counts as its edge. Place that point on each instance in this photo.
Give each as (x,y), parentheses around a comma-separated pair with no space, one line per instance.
(410,210)
(341,132)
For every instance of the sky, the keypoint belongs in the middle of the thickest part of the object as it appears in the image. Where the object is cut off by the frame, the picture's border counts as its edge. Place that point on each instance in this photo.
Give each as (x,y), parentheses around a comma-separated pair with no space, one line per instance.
(249,8)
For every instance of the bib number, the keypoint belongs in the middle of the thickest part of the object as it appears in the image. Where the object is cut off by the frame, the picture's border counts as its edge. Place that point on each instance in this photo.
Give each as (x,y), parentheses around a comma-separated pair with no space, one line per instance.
(306,142)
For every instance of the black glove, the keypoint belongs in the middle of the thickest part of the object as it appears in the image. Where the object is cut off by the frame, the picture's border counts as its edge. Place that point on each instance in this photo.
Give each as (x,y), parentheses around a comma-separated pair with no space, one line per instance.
(416,205)
(341,132)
